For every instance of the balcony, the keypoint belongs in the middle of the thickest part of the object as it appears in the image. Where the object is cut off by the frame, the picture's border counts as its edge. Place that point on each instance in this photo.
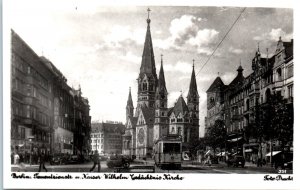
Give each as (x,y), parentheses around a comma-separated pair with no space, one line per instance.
(278,84)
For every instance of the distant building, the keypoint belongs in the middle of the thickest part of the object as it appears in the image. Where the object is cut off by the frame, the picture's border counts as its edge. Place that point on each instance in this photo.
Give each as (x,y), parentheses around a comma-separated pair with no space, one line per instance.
(47,114)
(107,137)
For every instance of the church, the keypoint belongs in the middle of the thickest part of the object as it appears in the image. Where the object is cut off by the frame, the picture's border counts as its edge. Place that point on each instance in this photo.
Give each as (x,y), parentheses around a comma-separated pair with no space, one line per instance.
(153,118)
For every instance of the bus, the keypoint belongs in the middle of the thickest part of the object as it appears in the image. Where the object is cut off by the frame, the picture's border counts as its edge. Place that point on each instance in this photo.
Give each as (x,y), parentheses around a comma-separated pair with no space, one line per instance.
(168,152)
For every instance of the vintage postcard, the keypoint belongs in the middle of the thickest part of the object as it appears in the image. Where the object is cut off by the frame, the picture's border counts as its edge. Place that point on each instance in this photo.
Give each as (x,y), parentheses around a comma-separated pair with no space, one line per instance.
(181,95)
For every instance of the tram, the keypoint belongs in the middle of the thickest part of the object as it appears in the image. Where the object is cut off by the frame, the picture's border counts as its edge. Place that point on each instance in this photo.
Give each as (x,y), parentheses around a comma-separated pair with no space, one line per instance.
(168,152)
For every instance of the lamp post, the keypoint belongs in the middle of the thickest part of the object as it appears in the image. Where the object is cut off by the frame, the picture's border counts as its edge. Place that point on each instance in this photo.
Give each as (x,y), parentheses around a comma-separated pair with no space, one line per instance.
(30,138)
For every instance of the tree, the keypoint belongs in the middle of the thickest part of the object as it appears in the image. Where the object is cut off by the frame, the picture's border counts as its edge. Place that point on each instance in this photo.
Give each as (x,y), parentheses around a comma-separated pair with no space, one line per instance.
(273,121)
(216,135)
(282,121)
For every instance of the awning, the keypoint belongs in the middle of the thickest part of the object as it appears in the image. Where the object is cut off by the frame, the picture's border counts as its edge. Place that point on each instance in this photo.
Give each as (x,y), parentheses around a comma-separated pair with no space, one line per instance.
(273,153)
(248,150)
(208,152)
(221,154)
(235,139)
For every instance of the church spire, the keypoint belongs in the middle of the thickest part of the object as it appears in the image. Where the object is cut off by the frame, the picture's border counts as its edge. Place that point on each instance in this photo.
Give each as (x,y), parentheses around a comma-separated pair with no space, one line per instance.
(161,79)
(193,84)
(129,106)
(148,62)
(129,100)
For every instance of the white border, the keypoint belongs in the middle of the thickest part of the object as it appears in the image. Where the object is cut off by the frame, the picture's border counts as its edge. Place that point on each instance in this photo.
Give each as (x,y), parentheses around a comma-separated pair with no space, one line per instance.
(191,181)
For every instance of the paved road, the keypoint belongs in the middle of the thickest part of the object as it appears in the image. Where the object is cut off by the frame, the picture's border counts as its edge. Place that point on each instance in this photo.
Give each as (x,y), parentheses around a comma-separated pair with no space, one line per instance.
(147,167)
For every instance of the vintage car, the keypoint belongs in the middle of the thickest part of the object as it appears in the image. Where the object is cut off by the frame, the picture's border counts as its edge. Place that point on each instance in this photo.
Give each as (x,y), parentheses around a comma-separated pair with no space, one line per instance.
(236,161)
(116,161)
(58,159)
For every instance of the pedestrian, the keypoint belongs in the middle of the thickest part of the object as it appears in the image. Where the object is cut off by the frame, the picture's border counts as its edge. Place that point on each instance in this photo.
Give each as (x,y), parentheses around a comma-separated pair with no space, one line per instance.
(16,158)
(42,159)
(21,165)
(96,161)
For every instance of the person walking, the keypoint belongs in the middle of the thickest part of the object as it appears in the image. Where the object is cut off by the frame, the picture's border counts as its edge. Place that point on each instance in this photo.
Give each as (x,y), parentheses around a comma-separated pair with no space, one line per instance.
(42,162)
(96,160)
(16,158)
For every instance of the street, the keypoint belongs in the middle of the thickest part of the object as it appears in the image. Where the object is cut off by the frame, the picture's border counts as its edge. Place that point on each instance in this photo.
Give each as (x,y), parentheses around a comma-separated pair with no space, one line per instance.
(148,167)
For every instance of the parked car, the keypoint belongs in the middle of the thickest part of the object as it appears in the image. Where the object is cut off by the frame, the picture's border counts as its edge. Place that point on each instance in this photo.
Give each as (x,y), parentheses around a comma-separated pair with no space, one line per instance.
(58,159)
(236,161)
(103,157)
(288,165)
(74,159)
(118,161)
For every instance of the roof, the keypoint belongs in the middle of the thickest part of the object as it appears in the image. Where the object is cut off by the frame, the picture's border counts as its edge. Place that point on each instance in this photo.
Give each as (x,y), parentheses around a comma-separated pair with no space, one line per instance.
(180,107)
(218,83)
(289,47)
(239,79)
(148,114)
(169,111)
(133,121)
(108,127)
(148,62)
(193,85)
(161,80)
(129,100)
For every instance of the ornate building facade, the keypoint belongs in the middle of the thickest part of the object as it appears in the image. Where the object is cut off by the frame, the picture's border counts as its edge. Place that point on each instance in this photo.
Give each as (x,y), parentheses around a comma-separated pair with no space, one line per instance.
(47,114)
(152,118)
(237,103)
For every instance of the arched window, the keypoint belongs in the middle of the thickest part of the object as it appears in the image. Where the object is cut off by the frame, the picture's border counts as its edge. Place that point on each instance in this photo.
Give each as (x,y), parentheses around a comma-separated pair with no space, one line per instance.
(279,74)
(150,86)
(144,86)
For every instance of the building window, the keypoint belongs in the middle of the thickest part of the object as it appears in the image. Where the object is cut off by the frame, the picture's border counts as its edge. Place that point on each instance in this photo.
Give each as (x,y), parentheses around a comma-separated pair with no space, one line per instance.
(279,74)
(28,111)
(179,131)
(144,86)
(290,71)
(22,133)
(290,91)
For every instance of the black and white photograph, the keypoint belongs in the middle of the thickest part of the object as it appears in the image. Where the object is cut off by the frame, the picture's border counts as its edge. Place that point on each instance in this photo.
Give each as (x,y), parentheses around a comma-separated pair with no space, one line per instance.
(156,93)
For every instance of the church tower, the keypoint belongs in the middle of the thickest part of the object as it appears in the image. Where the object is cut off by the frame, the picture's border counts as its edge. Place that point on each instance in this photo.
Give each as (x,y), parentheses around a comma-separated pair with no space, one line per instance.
(193,105)
(161,106)
(147,80)
(129,106)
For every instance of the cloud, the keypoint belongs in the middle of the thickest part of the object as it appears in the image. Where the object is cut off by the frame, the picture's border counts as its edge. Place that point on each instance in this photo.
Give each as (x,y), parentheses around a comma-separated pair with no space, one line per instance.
(183,28)
(235,50)
(180,66)
(186,33)
(202,40)
(274,35)
(228,77)
(130,57)
(119,36)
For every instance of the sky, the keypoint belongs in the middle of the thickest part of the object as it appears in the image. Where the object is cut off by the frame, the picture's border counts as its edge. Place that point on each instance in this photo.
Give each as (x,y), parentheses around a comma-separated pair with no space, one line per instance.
(100,47)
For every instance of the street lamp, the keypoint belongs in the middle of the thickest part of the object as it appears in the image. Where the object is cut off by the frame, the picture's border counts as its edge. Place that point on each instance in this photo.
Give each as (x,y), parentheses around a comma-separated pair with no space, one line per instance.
(30,138)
